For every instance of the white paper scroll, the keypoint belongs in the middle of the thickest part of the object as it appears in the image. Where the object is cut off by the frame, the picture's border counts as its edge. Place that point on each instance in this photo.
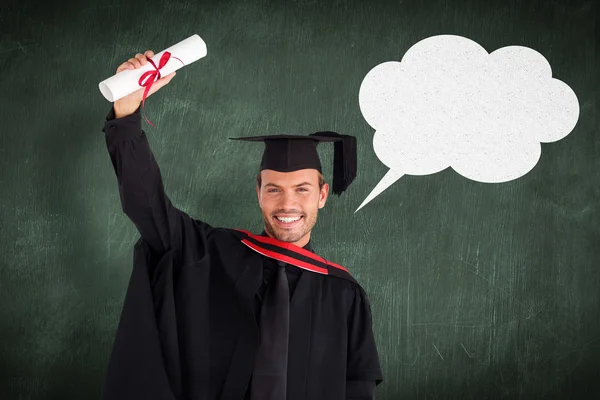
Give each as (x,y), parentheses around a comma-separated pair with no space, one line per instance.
(127,81)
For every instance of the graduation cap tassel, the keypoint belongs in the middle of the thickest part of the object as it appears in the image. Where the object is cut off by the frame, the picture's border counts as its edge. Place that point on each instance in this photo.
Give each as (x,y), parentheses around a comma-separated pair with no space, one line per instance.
(344,161)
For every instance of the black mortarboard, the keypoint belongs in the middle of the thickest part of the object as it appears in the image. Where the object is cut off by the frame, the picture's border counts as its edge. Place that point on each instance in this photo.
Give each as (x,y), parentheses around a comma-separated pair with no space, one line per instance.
(287,153)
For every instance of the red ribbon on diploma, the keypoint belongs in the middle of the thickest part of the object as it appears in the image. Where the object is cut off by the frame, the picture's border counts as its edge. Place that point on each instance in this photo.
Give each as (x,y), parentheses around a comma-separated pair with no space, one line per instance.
(152,76)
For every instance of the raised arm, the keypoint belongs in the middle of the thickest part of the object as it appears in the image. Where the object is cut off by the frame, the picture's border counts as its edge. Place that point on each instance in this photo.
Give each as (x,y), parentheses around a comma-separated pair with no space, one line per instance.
(143,198)
(141,189)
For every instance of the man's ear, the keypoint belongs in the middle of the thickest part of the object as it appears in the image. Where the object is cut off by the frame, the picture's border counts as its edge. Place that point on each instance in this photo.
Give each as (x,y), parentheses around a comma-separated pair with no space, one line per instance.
(324,192)
(258,195)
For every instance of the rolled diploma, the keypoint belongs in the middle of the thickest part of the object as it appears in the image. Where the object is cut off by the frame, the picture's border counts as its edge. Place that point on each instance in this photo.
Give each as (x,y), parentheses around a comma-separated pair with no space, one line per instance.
(127,81)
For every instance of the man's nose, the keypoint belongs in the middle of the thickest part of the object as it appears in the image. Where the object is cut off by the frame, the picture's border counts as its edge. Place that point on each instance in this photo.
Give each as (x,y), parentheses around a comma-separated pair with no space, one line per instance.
(288,201)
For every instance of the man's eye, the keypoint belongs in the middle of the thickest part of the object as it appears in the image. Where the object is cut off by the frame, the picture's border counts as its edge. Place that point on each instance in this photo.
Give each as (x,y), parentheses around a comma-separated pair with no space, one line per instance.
(303,189)
(271,190)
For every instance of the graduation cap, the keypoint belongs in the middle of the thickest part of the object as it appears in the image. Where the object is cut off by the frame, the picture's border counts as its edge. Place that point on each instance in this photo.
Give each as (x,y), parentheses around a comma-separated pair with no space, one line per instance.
(287,153)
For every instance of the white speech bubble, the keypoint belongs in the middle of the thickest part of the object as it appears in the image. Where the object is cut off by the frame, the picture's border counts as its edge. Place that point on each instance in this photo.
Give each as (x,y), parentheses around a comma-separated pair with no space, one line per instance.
(449,103)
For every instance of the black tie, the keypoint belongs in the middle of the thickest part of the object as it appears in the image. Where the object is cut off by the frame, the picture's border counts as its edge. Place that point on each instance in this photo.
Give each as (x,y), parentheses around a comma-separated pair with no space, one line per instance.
(269,379)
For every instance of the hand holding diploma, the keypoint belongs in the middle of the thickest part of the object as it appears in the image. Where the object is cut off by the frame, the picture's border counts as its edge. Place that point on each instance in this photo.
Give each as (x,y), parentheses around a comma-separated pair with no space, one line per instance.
(144,74)
(128,104)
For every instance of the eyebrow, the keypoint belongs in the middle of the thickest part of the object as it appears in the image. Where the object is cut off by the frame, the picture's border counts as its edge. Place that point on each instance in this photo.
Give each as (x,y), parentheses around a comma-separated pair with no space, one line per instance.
(298,185)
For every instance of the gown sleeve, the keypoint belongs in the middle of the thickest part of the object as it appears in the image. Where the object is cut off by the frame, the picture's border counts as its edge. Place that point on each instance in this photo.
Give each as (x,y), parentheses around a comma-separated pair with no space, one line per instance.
(141,189)
(363,367)
(149,348)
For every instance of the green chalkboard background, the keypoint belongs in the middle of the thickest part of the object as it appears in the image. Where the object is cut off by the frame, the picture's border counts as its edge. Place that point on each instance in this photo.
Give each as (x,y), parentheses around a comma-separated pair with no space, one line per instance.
(478,290)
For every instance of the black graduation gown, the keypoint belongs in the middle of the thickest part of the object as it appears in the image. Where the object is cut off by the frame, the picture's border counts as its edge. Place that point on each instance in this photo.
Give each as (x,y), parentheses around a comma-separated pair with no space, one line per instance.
(188,328)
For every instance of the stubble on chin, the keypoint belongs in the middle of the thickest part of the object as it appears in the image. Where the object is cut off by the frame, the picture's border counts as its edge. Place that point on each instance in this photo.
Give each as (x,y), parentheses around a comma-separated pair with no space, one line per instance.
(289,236)
(281,235)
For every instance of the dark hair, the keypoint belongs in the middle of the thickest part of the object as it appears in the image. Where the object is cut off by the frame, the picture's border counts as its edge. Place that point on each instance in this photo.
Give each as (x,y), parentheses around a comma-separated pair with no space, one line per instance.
(321,180)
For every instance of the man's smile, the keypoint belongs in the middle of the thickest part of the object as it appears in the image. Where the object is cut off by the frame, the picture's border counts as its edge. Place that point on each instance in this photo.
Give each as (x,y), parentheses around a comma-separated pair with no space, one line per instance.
(288,222)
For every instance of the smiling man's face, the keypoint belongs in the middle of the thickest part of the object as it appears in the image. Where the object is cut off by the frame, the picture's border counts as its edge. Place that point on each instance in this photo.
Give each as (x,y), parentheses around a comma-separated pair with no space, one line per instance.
(290,202)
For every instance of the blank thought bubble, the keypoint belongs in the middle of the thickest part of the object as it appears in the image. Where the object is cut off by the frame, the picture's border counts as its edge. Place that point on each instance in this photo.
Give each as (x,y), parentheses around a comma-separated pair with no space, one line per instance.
(449,103)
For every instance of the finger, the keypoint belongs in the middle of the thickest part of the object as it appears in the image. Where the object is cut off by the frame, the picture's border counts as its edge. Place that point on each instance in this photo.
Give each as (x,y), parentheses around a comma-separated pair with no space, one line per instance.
(135,62)
(161,82)
(141,58)
(149,53)
(124,66)
(164,80)
(168,78)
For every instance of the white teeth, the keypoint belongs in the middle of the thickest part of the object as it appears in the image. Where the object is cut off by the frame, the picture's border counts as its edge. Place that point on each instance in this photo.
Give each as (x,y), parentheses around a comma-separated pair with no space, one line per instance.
(288,220)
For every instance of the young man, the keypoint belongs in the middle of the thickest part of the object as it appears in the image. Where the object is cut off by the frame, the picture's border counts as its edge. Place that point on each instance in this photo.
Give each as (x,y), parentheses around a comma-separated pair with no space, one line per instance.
(215,313)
